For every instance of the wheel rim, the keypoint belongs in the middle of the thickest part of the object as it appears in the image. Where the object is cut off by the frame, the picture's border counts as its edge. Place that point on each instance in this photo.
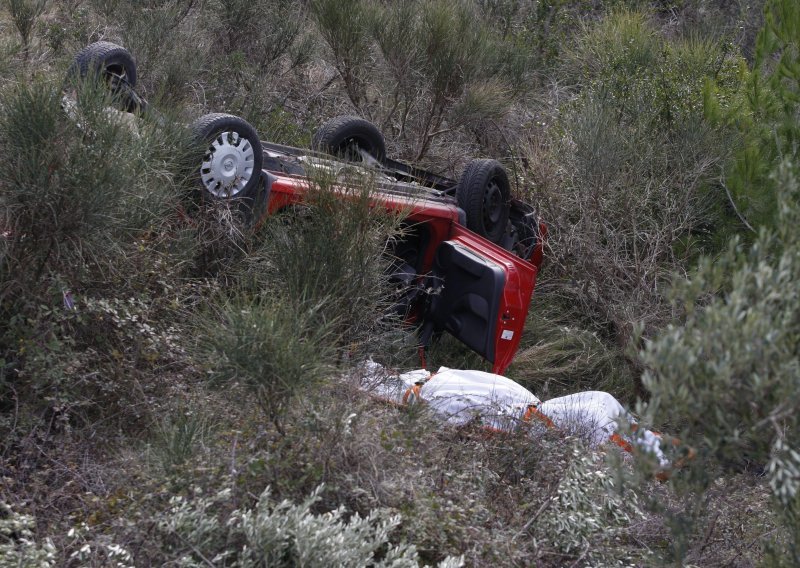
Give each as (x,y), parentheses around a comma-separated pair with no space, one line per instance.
(228,164)
(493,205)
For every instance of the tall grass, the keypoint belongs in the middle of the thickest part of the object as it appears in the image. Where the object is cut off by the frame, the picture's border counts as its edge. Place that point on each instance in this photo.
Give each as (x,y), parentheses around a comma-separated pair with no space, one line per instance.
(638,199)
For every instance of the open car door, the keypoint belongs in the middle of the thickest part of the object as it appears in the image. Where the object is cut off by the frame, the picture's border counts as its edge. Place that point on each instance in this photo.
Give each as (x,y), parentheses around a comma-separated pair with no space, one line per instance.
(481,294)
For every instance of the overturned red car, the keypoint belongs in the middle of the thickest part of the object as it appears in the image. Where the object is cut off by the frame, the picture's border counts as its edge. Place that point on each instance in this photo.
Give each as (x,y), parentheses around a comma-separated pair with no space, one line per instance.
(470,254)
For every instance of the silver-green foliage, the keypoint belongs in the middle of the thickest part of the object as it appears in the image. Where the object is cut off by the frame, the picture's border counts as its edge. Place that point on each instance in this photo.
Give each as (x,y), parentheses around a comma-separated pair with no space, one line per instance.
(18,546)
(729,378)
(285,534)
(586,513)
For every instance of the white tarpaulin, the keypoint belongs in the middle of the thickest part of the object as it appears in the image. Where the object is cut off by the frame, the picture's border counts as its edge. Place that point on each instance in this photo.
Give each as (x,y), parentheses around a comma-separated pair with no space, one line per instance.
(497,402)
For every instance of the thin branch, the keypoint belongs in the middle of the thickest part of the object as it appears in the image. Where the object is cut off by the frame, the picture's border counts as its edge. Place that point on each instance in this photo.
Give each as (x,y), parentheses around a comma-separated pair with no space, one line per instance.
(735,209)
(581,557)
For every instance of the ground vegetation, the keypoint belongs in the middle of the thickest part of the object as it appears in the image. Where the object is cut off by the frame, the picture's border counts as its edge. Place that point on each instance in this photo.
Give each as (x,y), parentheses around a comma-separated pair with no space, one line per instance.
(177,388)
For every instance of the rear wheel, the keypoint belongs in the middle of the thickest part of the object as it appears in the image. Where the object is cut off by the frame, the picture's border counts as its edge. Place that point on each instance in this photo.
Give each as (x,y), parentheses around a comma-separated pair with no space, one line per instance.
(109,60)
(231,163)
(114,66)
(351,138)
(484,193)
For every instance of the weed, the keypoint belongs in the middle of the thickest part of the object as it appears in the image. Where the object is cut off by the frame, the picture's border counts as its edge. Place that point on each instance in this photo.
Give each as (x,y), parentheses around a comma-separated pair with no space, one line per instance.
(178,438)
(273,349)
(25,14)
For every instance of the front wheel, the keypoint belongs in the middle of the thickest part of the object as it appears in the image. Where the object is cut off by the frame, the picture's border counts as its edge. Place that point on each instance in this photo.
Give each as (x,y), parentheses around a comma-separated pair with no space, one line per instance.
(231,163)
(484,193)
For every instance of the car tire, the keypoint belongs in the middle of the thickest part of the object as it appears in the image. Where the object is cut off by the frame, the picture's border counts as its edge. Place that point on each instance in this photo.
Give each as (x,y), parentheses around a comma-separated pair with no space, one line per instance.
(232,157)
(108,60)
(484,193)
(114,65)
(345,136)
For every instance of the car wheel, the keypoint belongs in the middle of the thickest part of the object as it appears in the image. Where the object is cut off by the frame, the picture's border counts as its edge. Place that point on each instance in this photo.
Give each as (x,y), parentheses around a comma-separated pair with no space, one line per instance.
(349,137)
(484,193)
(231,163)
(109,60)
(114,65)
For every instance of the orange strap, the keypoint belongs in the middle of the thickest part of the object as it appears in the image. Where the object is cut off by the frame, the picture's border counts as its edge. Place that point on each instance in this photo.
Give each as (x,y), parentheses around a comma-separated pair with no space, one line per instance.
(621,442)
(412,391)
(533,412)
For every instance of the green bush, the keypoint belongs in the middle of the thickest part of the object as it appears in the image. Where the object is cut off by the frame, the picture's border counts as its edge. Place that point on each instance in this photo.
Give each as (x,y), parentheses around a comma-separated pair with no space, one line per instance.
(330,258)
(25,14)
(77,184)
(728,379)
(449,70)
(631,198)
(764,117)
(83,188)
(170,50)
(243,29)
(179,436)
(274,350)
(344,27)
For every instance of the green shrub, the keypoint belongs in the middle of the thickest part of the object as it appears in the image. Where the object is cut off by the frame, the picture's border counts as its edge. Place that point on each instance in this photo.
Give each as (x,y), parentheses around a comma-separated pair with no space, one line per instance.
(243,28)
(170,50)
(270,347)
(82,189)
(25,14)
(344,27)
(449,70)
(330,258)
(728,379)
(179,436)
(631,198)
(764,116)
(77,184)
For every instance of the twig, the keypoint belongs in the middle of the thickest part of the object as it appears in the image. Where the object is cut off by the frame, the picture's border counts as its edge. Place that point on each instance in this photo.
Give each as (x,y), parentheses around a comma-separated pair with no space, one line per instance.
(233,453)
(709,532)
(196,551)
(735,209)
(581,557)
(542,508)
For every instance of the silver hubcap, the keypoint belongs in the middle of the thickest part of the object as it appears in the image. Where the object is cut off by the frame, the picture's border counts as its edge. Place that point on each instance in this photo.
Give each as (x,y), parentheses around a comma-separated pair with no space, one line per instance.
(227,165)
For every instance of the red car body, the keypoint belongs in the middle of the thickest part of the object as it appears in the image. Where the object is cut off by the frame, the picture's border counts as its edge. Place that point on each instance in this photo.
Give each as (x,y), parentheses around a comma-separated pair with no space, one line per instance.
(481,291)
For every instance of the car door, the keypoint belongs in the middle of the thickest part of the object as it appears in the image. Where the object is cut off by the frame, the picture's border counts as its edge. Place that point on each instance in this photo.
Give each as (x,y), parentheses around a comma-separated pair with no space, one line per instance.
(480,294)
